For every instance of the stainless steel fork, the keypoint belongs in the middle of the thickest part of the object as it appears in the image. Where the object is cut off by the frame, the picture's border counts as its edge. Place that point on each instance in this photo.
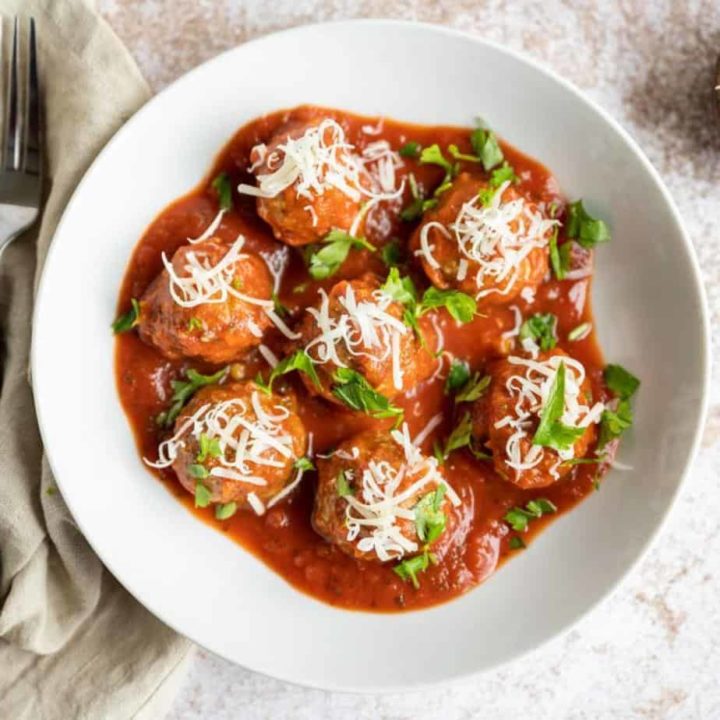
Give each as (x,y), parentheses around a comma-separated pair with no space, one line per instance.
(21,171)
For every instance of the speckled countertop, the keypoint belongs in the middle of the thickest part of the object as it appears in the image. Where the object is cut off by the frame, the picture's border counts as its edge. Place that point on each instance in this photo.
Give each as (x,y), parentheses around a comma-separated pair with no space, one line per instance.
(653,650)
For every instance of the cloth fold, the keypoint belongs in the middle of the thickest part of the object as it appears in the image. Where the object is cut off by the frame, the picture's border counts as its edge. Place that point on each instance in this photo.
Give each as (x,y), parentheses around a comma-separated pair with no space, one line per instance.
(73,642)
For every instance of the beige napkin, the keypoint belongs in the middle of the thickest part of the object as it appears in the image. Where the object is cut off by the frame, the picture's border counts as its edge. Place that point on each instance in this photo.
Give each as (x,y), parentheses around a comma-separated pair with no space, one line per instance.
(73,643)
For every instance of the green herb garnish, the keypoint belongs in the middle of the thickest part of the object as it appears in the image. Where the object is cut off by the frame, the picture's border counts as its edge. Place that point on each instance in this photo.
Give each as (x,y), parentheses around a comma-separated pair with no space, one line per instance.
(304,463)
(587,230)
(408,569)
(613,423)
(194,323)
(580,332)
(486,147)
(202,495)
(516,543)
(430,521)
(503,174)
(518,518)
(327,261)
(458,376)
(474,388)
(184,390)
(410,149)
(129,320)
(342,485)
(621,381)
(209,448)
(460,436)
(541,329)
(391,253)
(352,389)
(299,361)
(461,307)
(551,432)
(225,511)
(221,185)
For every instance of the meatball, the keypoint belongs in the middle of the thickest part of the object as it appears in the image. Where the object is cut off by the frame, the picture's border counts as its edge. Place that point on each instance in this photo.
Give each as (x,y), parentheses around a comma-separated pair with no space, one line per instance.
(311,181)
(380,498)
(490,246)
(359,327)
(239,443)
(213,316)
(506,418)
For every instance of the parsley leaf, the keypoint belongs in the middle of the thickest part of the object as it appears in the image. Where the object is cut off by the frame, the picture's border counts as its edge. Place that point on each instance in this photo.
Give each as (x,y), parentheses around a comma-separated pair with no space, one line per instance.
(202,495)
(518,518)
(194,323)
(551,432)
(327,261)
(432,155)
(460,436)
(613,423)
(474,388)
(401,289)
(200,472)
(541,328)
(455,152)
(410,149)
(622,382)
(415,209)
(226,511)
(429,519)
(458,376)
(355,391)
(304,464)
(184,390)
(502,174)
(409,569)
(129,320)
(580,332)
(486,147)
(300,361)
(587,230)
(461,307)
(342,486)
(391,254)
(209,448)
(221,185)
(516,543)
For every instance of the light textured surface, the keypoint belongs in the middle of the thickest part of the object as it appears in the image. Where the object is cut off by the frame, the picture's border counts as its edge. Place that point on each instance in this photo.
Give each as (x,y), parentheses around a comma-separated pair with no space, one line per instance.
(653,650)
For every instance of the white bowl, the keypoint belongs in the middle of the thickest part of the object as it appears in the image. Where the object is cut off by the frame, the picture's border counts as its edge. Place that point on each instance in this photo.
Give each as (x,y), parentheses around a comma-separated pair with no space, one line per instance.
(648,303)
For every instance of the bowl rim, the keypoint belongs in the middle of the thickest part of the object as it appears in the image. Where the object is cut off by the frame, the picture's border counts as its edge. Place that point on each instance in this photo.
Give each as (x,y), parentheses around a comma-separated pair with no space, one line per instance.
(698,286)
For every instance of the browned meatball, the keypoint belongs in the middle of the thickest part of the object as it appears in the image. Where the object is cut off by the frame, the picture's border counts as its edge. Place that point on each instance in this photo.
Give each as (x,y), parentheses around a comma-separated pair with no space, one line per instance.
(329,188)
(505,419)
(239,443)
(219,325)
(491,251)
(380,498)
(356,326)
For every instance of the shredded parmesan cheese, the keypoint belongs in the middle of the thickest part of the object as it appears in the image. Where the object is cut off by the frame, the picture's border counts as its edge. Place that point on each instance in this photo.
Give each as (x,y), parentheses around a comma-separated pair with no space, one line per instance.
(363,328)
(530,389)
(372,516)
(250,436)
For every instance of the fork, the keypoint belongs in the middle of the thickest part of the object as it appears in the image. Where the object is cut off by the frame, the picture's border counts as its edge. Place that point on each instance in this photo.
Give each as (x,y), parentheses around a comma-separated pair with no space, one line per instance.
(21,170)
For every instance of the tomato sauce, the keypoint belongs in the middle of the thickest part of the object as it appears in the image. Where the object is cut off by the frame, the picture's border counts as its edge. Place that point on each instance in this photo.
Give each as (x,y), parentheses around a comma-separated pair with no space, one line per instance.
(283,538)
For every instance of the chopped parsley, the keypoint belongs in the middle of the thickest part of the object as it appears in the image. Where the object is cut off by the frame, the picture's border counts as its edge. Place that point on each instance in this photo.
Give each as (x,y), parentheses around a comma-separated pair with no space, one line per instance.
(584,228)
(202,495)
(342,486)
(409,569)
(486,147)
(304,464)
(300,361)
(541,329)
(410,149)
(430,520)
(518,518)
(516,543)
(432,155)
(278,306)
(199,472)
(458,376)
(551,432)
(474,388)
(560,256)
(337,244)
(129,320)
(503,174)
(580,332)
(184,390)
(352,389)
(400,288)
(613,423)
(225,511)
(457,155)
(460,436)
(194,323)
(221,185)
(391,253)
(461,307)
(209,448)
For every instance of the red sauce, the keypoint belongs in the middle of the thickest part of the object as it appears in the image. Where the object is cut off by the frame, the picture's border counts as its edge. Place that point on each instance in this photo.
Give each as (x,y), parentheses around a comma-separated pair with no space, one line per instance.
(283,538)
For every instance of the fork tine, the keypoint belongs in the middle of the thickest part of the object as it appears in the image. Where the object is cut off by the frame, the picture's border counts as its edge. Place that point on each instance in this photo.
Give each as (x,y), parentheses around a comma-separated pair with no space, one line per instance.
(32,135)
(11,143)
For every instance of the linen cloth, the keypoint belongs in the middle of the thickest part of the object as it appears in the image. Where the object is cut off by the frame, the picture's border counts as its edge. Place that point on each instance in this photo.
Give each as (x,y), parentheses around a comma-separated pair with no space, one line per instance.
(73,643)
